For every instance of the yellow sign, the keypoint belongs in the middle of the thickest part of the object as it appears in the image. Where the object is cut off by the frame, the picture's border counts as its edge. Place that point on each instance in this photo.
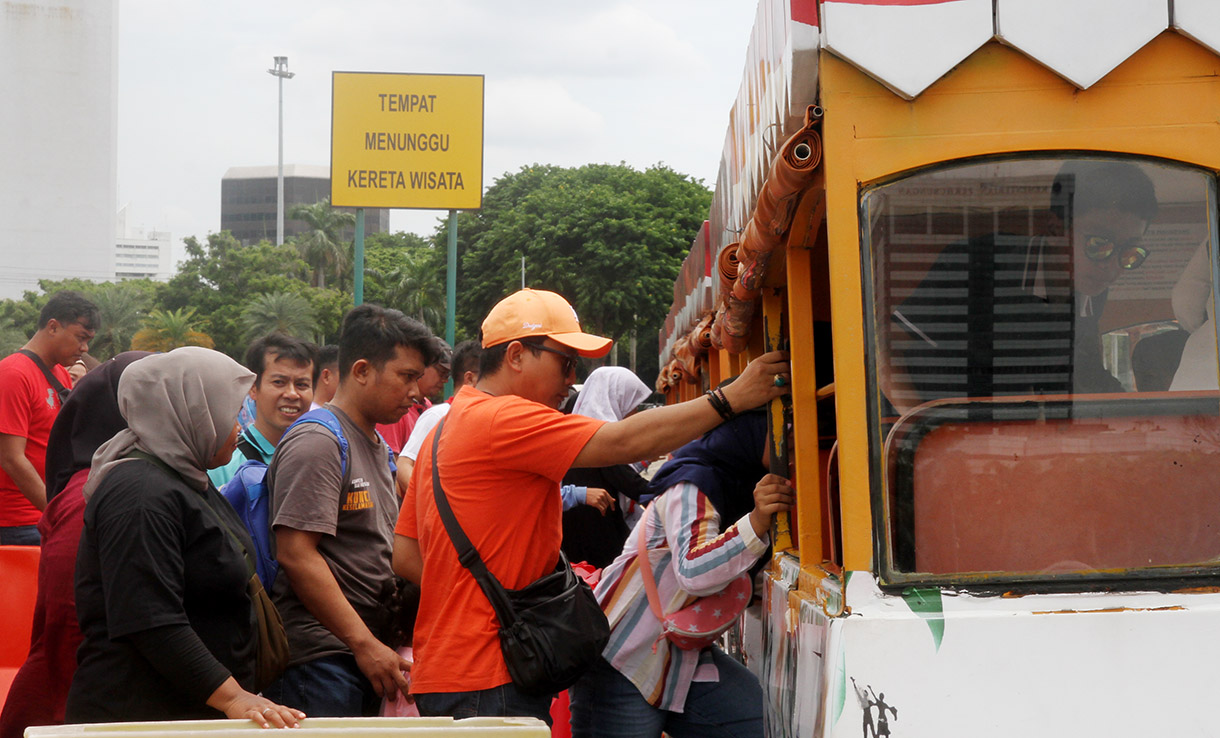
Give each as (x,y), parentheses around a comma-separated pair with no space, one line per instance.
(406,141)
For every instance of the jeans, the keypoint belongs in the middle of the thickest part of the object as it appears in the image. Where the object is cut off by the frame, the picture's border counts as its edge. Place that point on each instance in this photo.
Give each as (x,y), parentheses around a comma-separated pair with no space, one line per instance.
(20,535)
(502,701)
(329,686)
(605,704)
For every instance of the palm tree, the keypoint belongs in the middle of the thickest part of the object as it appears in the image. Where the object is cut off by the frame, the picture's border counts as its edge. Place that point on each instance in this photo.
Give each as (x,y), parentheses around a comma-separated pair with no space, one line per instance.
(170,329)
(418,289)
(122,311)
(322,246)
(284,312)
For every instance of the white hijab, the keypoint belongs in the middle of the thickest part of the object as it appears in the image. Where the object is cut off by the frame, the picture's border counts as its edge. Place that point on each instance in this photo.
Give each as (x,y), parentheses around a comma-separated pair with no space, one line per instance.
(610,393)
(180,407)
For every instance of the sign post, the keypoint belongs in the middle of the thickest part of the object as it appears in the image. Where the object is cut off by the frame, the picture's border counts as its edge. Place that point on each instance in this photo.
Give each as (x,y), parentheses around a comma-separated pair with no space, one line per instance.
(358,257)
(451,283)
(411,141)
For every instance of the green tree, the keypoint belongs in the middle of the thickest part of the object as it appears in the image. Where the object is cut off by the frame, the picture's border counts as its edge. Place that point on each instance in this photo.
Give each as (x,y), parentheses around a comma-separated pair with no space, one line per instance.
(22,314)
(406,272)
(608,237)
(323,245)
(329,306)
(285,312)
(418,289)
(218,277)
(385,252)
(18,321)
(170,329)
(122,306)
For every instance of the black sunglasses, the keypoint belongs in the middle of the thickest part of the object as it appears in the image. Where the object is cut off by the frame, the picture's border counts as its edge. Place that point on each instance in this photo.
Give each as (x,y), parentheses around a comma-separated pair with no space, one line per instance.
(570,362)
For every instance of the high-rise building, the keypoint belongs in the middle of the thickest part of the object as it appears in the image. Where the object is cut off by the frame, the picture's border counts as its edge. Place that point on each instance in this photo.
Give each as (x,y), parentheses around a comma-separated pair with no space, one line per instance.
(247,202)
(58,141)
(142,254)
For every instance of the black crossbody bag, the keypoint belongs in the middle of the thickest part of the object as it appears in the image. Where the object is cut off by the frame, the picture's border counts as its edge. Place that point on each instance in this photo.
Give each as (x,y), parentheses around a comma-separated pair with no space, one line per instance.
(552,630)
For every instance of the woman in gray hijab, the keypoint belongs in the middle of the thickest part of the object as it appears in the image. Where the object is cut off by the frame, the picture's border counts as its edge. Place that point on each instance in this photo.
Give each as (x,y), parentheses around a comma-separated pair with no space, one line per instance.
(170,631)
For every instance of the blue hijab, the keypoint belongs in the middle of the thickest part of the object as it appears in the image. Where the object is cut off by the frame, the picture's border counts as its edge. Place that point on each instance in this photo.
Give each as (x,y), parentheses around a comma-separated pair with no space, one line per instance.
(724,464)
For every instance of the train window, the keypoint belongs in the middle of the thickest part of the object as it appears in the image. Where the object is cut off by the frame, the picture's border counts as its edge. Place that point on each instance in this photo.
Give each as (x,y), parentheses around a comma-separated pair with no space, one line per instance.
(1046,366)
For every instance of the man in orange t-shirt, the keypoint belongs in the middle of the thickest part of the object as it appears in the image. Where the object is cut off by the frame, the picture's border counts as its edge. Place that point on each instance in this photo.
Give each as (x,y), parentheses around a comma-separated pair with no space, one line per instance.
(504,449)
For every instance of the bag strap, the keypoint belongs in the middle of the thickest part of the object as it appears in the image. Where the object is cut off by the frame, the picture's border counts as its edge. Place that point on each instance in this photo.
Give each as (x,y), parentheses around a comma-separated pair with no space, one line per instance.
(248,449)
(56,385)
(650,582)
(468,555)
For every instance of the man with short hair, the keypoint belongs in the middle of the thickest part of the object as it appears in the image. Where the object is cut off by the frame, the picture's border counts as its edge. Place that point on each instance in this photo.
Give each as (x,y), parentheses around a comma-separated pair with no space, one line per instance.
(430,385)
(325,375)
(334,528)
(31,381)
(283,369)
(504,449)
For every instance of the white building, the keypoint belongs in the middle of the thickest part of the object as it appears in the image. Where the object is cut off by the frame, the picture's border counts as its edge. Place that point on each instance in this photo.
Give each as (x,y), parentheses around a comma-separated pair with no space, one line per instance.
(58,141)
(140,254)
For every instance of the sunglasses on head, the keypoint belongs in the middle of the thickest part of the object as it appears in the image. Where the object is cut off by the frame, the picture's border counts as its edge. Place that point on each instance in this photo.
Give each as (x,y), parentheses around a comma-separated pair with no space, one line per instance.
(570,361)
(1099,248)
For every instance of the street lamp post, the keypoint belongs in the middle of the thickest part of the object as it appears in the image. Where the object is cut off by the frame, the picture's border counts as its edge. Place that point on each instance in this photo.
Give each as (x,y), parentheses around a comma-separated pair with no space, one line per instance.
(281,71)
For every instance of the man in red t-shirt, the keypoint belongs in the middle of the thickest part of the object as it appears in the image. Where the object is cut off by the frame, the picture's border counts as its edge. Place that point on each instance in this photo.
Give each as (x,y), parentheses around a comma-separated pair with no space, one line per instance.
(29,402)
(503,451)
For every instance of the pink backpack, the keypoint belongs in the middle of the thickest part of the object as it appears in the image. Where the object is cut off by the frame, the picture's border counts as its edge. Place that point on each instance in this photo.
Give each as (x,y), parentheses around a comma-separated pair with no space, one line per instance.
(700,623)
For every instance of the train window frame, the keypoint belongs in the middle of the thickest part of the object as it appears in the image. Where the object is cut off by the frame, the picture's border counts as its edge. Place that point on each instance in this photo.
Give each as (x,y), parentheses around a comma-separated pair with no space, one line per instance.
(892,575)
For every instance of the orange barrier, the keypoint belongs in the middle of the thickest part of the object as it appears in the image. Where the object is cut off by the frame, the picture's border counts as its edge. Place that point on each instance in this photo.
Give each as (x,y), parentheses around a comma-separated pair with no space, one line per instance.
(18,590)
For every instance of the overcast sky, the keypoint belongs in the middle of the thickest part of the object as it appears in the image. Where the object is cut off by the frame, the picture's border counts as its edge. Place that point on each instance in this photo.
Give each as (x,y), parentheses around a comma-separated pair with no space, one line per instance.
(567,83)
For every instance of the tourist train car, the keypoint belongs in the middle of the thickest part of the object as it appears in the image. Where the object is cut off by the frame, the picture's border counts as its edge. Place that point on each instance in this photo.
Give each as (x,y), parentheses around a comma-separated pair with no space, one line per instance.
(986,232)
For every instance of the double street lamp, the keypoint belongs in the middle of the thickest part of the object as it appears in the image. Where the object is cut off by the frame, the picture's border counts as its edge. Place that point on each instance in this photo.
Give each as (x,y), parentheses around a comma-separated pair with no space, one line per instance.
(281,71)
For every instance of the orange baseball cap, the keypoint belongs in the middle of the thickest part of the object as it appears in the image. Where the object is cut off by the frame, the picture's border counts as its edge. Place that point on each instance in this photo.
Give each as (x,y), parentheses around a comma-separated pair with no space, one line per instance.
(540,313)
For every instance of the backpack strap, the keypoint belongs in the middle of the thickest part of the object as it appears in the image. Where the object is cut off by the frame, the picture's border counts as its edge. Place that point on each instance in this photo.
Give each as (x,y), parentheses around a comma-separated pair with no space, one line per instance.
(56,385)
(327,420)
(390,451)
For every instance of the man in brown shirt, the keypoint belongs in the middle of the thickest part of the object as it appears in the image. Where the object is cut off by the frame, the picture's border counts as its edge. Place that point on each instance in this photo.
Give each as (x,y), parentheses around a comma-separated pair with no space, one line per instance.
(334,530)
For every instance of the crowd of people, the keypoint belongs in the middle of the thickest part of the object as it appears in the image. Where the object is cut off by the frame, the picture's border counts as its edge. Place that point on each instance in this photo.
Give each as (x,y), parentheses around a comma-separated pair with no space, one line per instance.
(152,603)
